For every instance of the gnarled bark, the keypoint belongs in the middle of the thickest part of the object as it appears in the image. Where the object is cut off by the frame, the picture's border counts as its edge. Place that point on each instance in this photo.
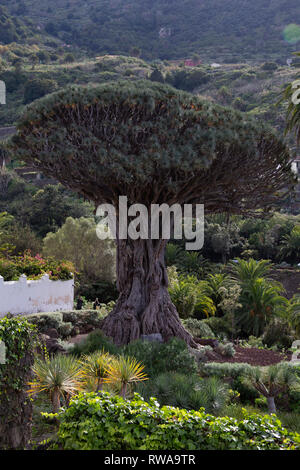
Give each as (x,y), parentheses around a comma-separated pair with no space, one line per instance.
(144,305)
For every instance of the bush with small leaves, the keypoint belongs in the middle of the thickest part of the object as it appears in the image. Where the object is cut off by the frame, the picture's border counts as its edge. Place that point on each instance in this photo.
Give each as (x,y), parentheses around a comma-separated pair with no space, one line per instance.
(198,328)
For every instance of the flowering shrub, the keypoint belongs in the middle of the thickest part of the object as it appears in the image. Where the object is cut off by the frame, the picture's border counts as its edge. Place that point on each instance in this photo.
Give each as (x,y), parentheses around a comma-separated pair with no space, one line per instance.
(106,422)
(34,267)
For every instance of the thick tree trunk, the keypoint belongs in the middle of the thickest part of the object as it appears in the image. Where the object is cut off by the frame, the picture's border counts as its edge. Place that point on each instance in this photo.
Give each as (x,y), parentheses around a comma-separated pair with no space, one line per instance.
(271,405)
(144,305)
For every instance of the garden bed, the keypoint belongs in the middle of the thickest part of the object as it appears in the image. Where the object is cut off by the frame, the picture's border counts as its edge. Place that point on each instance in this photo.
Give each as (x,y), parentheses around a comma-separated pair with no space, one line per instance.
(252,356)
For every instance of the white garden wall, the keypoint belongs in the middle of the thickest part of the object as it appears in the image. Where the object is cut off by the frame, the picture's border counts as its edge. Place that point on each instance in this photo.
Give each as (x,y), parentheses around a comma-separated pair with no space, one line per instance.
(43,295)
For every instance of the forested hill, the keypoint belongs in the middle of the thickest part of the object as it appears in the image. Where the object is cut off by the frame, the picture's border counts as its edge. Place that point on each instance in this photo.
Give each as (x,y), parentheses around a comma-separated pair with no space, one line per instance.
(223,30)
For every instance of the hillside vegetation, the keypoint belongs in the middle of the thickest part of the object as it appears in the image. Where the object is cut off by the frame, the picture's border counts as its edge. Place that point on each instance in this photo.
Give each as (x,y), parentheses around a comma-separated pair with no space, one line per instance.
(250,88)
(223,30)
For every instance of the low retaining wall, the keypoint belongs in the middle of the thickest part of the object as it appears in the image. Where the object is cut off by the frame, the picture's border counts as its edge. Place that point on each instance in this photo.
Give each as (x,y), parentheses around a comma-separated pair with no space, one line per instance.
(43,295)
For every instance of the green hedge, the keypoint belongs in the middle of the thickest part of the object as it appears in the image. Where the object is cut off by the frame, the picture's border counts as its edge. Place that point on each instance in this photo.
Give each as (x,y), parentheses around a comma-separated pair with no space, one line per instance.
(105,422)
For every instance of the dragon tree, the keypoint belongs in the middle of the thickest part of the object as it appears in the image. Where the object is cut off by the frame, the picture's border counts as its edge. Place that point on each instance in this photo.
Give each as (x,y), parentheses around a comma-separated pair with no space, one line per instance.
(155,145)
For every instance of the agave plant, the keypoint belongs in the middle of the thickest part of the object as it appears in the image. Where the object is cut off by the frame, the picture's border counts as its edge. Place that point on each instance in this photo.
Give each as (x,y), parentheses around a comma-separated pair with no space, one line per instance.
(272,381)
(59,375)
(123,371)
(94,369)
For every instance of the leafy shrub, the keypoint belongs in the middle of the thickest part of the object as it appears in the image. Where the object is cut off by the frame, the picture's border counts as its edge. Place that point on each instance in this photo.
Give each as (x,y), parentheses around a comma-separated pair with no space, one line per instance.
(67,322)
(112,423)
(156,357)
(227,349)
(220,326)
(198,328)
(95,341)
(162,357)
(188,295)
(233,373)
(37,88)
(45,321)
(279,333)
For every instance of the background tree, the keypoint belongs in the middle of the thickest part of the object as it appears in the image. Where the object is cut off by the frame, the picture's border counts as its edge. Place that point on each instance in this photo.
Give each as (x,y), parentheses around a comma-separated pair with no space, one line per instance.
(153,144)
(77,241)
(36,88)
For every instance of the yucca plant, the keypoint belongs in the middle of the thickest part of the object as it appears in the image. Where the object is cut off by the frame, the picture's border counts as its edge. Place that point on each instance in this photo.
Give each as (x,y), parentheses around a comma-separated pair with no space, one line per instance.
(60,376)
(94,369)
(124,371)
(272,381)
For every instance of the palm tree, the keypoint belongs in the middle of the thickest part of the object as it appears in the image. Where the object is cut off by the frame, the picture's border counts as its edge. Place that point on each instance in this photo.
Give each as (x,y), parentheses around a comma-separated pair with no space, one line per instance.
(59,375)
(214,286)
(260,300)
(272,381)
(94,368)
(247,270)
(123,371)
(290,247)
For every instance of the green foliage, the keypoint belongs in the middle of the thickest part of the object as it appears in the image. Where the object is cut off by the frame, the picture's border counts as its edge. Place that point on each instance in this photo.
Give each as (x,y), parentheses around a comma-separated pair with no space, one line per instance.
(77,241)
(249,270)
(65,323)
(37,88)
(260,297)
(156,357)
(43,210)
(214,31)
(162,357)
(111,423)
(60,376)
(198,328)
(227,349)
(186,391)
(220,326)
(290,246)
(20,340)
(260,302)
(278,333)
(273,380)
(19,337)
(189,295)
(96,341)
(156,105)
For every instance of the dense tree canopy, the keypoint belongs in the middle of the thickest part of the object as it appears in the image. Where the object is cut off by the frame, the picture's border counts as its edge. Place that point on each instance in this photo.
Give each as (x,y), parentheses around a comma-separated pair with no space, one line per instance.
(153,144)
(120,139)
